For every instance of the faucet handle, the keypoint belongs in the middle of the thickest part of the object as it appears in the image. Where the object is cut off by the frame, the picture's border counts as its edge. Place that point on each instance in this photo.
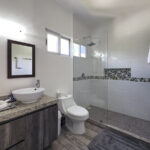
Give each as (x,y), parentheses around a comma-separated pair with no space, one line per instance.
(37,83)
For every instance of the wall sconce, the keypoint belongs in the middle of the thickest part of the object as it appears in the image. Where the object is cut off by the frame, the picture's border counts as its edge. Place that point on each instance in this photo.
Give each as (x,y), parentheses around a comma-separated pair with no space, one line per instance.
(11,29)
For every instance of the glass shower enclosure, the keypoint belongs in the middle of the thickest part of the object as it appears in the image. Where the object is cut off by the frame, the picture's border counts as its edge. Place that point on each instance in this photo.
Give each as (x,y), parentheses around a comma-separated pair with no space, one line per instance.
(109,93)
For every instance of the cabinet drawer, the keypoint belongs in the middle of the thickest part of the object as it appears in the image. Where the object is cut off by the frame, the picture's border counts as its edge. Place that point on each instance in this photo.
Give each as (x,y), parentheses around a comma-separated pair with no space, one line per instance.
(4,136)
(18,146)
(11,133)
(17,130)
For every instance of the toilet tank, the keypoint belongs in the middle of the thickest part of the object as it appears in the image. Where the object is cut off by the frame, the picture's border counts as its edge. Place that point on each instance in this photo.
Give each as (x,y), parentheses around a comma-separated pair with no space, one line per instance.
(65,102)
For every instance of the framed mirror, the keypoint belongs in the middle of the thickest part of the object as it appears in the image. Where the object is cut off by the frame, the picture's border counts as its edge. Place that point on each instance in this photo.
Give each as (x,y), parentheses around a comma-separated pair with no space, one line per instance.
(21,60)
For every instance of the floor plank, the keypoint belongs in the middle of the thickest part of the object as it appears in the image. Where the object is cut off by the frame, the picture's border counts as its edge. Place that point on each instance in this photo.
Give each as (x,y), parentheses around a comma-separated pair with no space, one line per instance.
(69,141)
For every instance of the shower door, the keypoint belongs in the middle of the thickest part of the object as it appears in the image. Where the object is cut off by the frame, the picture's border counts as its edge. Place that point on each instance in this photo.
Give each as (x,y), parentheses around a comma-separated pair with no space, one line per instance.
(90,84)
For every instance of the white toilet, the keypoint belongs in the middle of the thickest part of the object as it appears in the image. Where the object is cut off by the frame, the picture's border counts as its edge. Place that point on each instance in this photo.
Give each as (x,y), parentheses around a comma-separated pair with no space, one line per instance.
(75,115)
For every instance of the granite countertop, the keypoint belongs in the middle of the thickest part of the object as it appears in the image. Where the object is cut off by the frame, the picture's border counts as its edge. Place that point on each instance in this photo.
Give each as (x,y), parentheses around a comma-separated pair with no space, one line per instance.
(23,109)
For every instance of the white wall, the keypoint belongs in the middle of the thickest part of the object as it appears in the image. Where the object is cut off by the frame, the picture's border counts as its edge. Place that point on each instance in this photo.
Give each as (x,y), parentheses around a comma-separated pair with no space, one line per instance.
(80,29)
(54,71)
(129,41)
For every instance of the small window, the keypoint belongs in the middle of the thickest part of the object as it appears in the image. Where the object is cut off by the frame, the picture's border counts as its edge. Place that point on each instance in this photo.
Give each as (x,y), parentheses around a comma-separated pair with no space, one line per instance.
(83,51)
(76,50)
(65,46)
(57,43)
(52,43)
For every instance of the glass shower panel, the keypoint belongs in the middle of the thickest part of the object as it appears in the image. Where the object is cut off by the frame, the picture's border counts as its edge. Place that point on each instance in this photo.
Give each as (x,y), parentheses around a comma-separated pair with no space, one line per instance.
(90,86)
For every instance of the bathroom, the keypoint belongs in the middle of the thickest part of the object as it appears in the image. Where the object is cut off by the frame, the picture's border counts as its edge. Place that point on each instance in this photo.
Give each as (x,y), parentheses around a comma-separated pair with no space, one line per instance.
(105,66)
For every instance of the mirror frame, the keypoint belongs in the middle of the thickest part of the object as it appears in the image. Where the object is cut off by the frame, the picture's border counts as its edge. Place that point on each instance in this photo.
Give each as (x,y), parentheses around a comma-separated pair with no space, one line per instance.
(9,62)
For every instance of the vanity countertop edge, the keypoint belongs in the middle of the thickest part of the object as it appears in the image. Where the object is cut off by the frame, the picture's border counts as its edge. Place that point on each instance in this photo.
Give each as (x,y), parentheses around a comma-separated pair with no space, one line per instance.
(25,109)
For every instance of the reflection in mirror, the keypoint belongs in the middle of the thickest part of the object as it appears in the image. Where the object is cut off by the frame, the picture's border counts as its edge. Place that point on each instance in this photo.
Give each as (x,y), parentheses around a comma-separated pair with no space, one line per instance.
(21,59)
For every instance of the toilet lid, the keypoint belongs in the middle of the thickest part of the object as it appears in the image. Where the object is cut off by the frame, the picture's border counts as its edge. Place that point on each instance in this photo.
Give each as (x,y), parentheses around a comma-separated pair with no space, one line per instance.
(77,111)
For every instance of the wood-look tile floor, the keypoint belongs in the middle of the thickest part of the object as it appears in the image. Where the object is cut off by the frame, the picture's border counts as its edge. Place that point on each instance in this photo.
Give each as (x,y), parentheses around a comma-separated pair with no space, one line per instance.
(69,141)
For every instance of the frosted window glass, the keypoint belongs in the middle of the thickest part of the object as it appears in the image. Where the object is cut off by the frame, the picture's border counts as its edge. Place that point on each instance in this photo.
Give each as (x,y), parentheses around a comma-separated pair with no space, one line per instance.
(52,43)
(64,47)
(76,50)
(83,51)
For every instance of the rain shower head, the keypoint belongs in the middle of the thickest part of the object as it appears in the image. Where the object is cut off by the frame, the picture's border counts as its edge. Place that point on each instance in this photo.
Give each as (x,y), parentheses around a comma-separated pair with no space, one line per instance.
(88,41)
(91,44)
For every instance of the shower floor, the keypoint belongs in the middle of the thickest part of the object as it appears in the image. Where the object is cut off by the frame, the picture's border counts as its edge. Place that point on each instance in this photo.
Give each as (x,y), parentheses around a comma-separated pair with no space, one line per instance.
(133,125)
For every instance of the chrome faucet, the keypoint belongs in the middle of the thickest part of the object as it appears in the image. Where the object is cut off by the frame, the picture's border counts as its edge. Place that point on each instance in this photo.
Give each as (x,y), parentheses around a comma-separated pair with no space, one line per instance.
(37,85)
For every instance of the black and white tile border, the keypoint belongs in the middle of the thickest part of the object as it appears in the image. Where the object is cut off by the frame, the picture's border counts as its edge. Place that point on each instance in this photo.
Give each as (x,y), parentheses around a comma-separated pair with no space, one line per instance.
(118,73)
(115,74)
(134,79)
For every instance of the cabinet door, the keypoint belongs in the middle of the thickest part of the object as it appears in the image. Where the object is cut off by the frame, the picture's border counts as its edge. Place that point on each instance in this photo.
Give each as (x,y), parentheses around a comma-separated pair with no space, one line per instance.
(34,131)
(11,133)
(4,136)
(50,125)
(17,131)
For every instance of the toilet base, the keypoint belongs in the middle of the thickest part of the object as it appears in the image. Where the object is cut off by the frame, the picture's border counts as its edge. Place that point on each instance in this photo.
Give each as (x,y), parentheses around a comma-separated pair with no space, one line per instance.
(75,126)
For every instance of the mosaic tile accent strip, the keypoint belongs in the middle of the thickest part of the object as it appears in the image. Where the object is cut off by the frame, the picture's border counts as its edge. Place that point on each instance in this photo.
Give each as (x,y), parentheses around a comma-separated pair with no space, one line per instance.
(133,79)
(88,77)
(114,74)
(118,73)
(139,79)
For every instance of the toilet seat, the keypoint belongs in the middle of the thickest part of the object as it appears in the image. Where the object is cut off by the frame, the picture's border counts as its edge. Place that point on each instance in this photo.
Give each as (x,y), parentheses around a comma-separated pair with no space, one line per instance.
(78,112)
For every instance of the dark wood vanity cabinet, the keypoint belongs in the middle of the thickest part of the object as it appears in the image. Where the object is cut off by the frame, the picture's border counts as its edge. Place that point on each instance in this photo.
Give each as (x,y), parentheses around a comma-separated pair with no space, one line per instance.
(35,131)
(12,133)
(50,125)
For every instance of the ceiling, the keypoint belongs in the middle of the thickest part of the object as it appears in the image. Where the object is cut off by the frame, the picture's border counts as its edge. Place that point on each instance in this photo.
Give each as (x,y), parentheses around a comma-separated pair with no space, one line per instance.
(93,9)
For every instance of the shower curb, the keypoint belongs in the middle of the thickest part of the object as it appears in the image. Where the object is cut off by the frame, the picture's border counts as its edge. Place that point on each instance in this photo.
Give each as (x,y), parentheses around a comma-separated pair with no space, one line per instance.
(126,133)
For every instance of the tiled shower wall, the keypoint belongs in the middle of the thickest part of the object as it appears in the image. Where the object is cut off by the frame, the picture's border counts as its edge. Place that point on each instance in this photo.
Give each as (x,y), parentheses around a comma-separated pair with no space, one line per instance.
(130,98)
(116,90)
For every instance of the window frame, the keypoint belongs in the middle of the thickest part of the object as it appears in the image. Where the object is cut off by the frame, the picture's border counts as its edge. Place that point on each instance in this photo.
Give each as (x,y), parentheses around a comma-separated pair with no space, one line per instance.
(47,43)
(48,31)
(66,38)
(80,50)
(85,51)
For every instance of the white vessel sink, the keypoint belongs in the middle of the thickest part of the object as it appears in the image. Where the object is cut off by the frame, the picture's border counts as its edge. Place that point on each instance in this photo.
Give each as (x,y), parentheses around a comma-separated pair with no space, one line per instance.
(28,95)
